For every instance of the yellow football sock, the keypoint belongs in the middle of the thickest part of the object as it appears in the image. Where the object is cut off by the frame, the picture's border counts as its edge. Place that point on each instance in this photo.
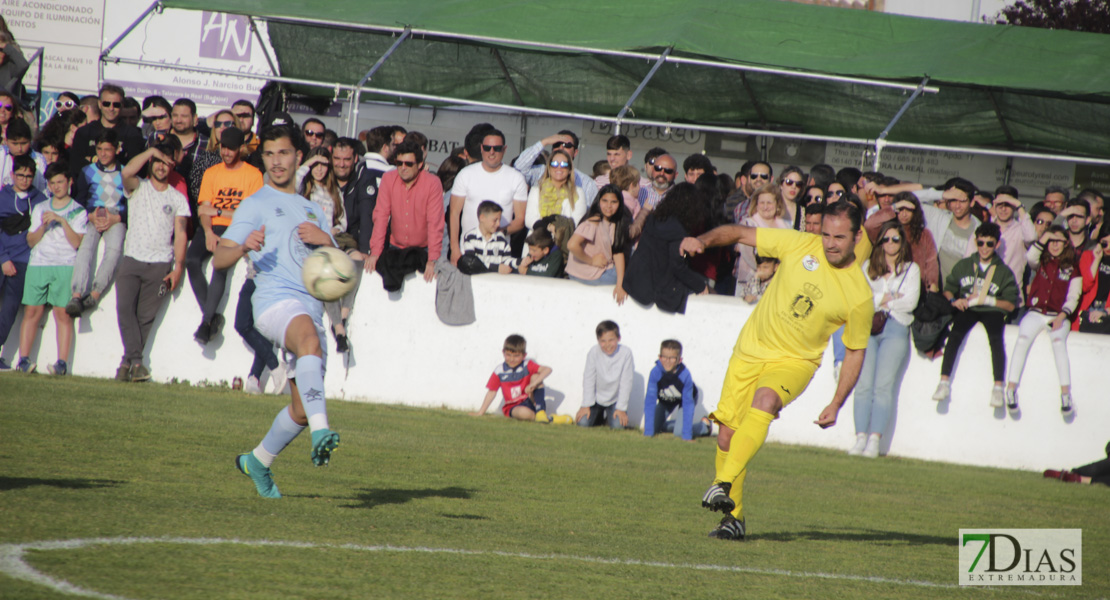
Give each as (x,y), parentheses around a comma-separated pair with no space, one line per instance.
(541,416)
(737,494)
(562,420)
(719,463)
(747,440)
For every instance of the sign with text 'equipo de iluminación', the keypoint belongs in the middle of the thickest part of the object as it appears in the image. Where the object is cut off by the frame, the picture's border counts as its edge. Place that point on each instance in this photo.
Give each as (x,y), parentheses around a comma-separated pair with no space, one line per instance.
(1021,557)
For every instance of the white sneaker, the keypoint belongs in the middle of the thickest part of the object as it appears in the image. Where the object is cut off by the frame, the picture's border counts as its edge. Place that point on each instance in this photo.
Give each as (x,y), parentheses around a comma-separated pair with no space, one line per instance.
(1065,403)
(998,397)
(944,390)
(861,441)
(1011,400)
(279,379)
(872,448)
(251,386)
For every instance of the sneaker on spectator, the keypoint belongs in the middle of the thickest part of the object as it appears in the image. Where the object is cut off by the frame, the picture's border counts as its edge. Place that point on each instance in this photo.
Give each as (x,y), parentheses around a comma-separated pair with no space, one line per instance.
(73,308)
(88,302)
(716,498)
(871,450)
(215,325)
(279,378)
(123,373)
(203,334)
(1011,398)
(342,344)
(139,373)
(1054,474)
(252,386)
(861,443)
(998,397)
(730,528)
(25,365)
(944,391)
(58,368)
(1066,406)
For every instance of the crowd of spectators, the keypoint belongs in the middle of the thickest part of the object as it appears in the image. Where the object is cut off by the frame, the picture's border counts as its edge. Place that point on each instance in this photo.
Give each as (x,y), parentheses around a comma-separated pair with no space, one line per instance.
(940,259)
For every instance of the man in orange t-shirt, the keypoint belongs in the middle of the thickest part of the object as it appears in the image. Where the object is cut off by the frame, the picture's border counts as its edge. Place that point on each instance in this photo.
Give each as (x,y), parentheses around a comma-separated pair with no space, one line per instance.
(224,186)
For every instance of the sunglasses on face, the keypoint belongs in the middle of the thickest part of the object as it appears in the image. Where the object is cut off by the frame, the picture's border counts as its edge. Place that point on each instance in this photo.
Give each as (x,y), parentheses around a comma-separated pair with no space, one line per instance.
(567,145)
(64,104)
(1042,222)
(904,209)
(987,243)
(24,175)
(244,115)
(1105,245)
(792,182)
(497,148)
(895,239)
(559,164)
(315,134)
(407,163)
(149,120)
(6,107)
(837,193)
(225,123)
(763,176)
(659,169)
(1055,241)
(107,104)
(816,198)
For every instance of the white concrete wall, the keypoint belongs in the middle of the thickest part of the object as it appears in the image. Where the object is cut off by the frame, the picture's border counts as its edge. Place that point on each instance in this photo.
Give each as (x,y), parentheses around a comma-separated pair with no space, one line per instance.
(403,354)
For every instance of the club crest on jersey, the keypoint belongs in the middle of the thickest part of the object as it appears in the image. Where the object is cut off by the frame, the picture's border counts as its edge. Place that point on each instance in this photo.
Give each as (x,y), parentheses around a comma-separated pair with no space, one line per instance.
(167,209)
(310,214)
(279,212)
(371,190)
(810,262)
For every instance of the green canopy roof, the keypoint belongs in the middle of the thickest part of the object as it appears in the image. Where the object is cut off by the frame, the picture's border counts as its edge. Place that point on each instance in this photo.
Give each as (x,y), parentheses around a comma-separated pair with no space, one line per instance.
(999,87)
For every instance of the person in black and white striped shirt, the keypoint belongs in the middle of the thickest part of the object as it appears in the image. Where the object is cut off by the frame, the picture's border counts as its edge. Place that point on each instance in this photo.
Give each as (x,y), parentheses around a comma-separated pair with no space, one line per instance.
(484,248)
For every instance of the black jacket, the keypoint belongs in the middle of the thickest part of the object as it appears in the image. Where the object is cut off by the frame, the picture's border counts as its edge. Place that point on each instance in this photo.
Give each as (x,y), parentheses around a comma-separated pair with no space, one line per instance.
(83,152)
(360,196)
(657,273)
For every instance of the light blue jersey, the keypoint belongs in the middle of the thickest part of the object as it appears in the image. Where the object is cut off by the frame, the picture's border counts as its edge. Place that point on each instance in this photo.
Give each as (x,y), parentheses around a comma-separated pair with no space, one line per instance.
(283,253)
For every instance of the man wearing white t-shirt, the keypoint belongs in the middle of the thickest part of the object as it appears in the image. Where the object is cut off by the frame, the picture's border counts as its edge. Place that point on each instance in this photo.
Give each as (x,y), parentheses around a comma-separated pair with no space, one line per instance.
(153,254)
(487,180)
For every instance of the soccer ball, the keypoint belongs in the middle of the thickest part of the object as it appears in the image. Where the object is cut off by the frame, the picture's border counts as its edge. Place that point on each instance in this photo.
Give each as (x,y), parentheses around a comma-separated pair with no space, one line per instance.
(329,274)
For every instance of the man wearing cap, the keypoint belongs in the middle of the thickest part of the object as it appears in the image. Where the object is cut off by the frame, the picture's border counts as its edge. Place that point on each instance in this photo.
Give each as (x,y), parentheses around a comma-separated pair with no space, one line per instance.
(1017,228)
(224,186)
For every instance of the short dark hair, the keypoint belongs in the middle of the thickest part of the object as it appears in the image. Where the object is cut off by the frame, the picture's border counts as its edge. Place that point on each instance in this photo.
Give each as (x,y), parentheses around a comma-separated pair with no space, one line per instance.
(759,259)
(849,177)
(607,326)
(379,136)
(243,102)
(160,102)
(18,129)
(409,147)
(745,169)
(473,141)
(822,175)
(1079,202)
(490,132)
(23,161)
(187,103)
(1007,190)
(654,153)
(489,206)
(352,143)
(56,168)
(671,345)
(618,142)
(573,136)
(313,120)
(1039,208)
(815,208)
(111,88)
(515,343)
(1056,189)
(276,132)
(419,138)
(330,138)
(397,128)
(107,136)
(1090,194)
(989,230)
(540,238)
(130,102)
(167,146)
(961,184)
(770,169)
(697,161)
(845,208)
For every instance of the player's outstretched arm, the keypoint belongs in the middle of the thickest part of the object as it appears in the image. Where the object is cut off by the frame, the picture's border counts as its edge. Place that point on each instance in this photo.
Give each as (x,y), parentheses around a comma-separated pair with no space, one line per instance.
(228,253)
(725,235)
(849,375)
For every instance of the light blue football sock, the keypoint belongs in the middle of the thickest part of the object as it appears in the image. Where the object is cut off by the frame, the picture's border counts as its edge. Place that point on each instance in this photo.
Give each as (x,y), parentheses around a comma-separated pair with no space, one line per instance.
(310,383)
(283,431)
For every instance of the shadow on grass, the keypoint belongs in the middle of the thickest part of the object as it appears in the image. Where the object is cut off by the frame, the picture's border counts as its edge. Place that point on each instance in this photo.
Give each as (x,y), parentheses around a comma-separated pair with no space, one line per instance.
(369,498)
(19,483)
(861,535)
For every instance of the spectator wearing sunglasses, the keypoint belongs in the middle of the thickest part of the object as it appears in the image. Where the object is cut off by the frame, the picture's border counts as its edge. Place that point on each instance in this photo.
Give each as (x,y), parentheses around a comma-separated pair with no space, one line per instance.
(183,124)
(244,118)
(131,144)
(313,130)
(1018,232)
(759,175)
(9,112)
(488,179)
(156,120)
(565,140)
(792,181)
(982,289)
(555,193)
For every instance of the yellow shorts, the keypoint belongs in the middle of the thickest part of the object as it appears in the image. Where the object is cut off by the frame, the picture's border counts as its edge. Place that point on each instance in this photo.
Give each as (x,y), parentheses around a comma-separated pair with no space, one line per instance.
(788,378)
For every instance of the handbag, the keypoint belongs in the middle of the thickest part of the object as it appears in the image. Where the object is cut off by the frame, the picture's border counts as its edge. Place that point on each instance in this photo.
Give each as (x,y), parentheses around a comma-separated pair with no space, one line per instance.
(878,320)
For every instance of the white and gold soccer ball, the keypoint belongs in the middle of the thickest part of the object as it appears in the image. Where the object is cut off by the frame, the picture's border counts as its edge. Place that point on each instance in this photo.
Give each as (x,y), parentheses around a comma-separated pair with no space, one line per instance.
(329,274)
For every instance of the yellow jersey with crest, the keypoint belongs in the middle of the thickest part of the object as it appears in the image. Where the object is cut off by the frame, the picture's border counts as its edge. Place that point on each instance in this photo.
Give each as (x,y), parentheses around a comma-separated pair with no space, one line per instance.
(806,302)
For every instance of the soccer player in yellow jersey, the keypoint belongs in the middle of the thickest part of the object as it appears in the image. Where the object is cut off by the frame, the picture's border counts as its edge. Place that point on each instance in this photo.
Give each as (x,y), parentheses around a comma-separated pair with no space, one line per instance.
(819,286)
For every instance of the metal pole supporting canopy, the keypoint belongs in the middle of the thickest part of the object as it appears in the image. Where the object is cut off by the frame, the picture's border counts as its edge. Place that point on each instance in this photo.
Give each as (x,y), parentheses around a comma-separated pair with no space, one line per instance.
(352,122)
(627,105)
(880,142)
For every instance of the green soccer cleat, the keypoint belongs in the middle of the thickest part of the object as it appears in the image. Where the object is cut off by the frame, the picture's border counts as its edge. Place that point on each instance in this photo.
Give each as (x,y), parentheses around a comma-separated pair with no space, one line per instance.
(263,480)
(324,442)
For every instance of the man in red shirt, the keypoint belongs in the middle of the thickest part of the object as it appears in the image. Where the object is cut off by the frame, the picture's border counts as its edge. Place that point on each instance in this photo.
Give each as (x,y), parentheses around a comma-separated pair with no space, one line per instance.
(410,203)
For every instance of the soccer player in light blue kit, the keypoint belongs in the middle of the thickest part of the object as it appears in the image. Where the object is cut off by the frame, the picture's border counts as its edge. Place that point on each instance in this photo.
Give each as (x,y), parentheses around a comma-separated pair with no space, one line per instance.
(279,228)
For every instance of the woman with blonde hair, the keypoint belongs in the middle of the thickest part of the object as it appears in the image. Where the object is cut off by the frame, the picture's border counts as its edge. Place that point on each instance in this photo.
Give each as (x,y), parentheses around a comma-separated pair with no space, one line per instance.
(767,209)
(555,192)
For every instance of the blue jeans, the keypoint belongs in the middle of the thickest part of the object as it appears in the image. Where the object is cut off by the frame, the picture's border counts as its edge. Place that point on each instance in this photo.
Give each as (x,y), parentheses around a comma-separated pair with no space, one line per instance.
(244,324)
(884,366)
(839,350)
(659,413)
(11,289)
(600,415)
(607,277)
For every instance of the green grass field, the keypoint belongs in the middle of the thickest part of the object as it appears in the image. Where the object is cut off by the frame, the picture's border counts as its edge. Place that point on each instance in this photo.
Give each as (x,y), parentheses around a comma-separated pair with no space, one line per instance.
(436,504)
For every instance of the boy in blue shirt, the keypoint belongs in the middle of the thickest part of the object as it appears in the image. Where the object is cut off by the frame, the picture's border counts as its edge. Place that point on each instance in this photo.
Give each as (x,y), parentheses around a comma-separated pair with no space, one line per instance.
(279,229)
(16,201)
(669,386)
(99,188)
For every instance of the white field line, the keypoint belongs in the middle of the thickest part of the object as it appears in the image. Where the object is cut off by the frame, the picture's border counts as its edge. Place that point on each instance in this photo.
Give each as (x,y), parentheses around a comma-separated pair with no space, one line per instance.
(13,565)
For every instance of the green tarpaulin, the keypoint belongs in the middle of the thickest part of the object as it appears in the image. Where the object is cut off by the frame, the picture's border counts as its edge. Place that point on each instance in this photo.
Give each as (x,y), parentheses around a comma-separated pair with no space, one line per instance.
(999,86)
